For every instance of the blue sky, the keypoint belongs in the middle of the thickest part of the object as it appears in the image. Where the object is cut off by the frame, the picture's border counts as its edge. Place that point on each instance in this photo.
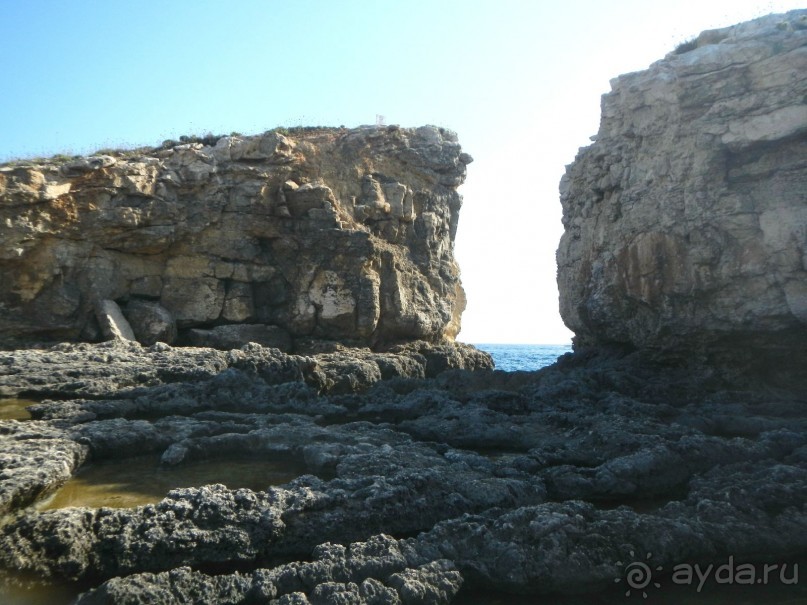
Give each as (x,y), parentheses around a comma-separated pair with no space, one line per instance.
(519,80)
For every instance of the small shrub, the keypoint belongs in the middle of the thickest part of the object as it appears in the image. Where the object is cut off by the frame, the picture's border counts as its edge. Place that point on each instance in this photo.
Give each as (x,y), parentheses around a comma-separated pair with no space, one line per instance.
(686,46)
(208,139)
(110,151)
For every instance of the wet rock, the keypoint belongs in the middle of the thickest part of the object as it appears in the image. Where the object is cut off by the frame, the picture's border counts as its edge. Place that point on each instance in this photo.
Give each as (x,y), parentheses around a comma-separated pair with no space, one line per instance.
(70,370)
(573,547)
(504,475)
(33,463)
(590,429)
(384,480)
(446,356)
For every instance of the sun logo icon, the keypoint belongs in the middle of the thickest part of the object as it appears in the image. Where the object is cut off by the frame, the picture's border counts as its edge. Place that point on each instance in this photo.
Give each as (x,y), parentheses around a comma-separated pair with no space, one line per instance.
(638,575)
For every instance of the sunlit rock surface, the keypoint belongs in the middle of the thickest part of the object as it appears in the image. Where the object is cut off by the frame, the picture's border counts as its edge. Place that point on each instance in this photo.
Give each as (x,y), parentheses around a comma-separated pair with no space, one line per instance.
(686,219)
(321,233)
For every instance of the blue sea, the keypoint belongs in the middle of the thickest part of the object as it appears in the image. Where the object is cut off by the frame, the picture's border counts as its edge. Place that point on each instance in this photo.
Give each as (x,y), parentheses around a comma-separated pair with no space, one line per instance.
(511,358)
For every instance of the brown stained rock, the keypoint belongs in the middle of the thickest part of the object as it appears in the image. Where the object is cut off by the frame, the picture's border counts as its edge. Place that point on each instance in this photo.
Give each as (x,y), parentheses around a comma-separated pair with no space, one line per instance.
(275,229)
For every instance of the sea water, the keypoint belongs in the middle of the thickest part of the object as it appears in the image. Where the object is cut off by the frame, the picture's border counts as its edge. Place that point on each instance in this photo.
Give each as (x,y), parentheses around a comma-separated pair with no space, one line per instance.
(511,358)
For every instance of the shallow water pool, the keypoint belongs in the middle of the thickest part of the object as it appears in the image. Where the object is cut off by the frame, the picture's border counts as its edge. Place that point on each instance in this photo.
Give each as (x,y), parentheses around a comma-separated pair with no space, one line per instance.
(15,409)
(128,482)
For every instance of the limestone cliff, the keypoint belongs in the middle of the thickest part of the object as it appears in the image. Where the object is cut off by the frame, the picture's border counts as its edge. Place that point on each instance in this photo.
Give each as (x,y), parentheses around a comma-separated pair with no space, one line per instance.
(686,220)
(318,233)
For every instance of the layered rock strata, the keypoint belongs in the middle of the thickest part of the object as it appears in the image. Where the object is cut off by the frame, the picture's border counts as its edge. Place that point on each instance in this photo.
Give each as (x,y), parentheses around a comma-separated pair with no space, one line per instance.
(686,220)
(335,234)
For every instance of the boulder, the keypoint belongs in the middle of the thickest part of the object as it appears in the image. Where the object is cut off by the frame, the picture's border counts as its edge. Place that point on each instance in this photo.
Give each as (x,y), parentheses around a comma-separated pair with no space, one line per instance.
(112,322)
(151,322)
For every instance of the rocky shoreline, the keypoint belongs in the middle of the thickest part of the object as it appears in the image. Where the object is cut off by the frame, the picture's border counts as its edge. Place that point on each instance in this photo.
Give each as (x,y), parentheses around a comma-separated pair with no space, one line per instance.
(314,276)
(526,482)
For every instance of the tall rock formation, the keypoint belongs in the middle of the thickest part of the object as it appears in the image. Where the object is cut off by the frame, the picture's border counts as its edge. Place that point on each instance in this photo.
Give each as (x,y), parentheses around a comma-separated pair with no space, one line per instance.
(321,233)
(686,220)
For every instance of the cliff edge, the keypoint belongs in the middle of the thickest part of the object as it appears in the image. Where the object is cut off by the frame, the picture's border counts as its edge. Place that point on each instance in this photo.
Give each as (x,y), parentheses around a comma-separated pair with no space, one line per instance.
(314,233)
(686,220)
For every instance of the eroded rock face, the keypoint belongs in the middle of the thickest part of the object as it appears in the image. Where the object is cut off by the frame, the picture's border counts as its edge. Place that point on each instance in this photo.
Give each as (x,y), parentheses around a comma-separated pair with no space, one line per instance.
(686,220)
(326,233)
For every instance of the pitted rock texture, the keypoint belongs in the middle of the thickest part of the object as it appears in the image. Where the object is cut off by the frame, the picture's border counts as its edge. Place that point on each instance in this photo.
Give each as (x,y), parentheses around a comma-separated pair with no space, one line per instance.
(325,233)
(374,572)
(686,220)
(104,369)
(527,482)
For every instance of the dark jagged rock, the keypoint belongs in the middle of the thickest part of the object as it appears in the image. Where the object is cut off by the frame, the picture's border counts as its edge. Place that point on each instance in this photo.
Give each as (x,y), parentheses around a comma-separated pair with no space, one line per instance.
(374,572)
(34,461)
(75,370)
(747,511)
(385,481)
(84,370)
(235,335)
(704,472)
(152,323)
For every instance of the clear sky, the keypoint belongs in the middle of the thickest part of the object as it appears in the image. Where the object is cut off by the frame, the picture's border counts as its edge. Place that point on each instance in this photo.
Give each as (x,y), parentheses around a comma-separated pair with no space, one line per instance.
(519,80)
